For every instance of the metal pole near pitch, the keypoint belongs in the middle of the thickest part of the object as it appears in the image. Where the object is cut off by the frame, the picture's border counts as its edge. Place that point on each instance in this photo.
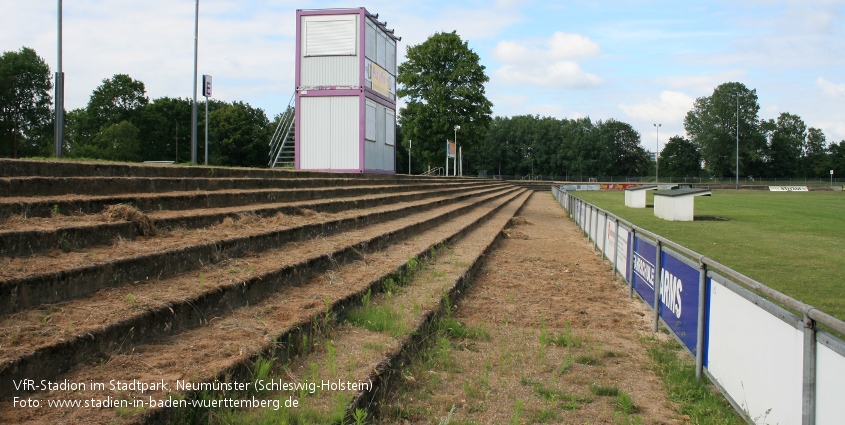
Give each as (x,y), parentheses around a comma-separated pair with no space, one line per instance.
(60,94)
(831,177)
(410,144)
(194,107)
(702,304)
(206,91)
(737,141)
(657,153)
(658,266)
(631,250)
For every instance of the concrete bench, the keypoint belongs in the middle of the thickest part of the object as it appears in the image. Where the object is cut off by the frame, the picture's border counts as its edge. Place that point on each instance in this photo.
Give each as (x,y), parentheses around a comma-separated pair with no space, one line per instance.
(677,205)
(635,197)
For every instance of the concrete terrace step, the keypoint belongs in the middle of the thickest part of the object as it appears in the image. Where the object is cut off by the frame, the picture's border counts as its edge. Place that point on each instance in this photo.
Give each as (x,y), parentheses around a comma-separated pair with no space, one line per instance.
(272,325)
(55,284)
(99,186)
(80,204)
(67,233)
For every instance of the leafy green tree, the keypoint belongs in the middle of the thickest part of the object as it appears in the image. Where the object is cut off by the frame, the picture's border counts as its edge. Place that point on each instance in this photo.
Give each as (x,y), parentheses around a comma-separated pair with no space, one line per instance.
(25,103)
(119,99)
(443,82)
(815,154)
(117,142)
(241,134)
(680,158)
(786,146)
(836,159)
(625,154)
(116,100)
(712,126)
(165,125)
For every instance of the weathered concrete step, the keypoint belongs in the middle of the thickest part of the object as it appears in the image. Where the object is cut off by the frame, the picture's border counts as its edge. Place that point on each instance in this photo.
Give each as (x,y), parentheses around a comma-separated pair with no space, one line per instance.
(60,285)
(276,324)
(77,204)
(79,235)
(57,168)
(422,303)
(100,186)
(418,306)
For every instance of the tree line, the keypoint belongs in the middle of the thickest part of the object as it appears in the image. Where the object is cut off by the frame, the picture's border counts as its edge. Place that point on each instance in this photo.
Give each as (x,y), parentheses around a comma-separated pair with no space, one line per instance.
(121,123)
(442,83)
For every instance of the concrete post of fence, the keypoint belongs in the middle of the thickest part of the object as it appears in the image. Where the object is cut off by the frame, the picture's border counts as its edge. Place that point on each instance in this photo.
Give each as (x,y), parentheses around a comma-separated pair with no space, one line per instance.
(616,250)
(808,396)
(702,303)
(630,273)
(658,266)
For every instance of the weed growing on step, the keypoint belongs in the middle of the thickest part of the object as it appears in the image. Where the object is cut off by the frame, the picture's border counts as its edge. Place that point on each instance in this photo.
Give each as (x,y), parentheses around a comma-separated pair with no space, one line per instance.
(517,412)
(625,404)
(604,390)
(565,339)
(378,318)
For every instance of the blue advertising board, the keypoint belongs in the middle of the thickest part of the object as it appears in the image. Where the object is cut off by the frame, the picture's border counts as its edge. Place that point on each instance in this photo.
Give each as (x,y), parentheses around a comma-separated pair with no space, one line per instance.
(643,271)
(678,289)
(679,296)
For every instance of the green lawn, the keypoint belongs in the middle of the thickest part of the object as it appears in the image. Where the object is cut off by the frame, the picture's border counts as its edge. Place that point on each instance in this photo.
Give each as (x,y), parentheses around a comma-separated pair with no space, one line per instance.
(793,242)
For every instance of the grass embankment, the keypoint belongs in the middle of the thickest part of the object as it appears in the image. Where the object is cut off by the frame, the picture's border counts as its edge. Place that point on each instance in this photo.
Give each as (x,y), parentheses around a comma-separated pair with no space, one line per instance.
(792,242)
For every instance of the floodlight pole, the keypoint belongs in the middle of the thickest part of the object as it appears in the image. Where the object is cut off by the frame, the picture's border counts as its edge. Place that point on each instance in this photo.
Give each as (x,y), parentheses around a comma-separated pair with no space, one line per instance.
(455,171)
(194,108)
(410,145)
(60,93)
(737,141)
(656,152)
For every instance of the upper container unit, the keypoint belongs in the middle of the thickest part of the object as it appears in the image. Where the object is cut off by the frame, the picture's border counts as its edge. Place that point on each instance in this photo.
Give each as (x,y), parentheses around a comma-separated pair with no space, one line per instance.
(345,92)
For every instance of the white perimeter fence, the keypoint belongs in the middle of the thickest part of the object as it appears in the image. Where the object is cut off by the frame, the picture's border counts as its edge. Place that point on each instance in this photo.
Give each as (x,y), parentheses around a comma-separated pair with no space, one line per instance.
(773,365)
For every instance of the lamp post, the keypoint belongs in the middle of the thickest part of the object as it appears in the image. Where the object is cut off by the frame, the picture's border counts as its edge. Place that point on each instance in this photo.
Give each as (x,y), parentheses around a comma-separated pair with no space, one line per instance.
(60,93)
(455,171)
(656,153)
(194,108)
(737,141)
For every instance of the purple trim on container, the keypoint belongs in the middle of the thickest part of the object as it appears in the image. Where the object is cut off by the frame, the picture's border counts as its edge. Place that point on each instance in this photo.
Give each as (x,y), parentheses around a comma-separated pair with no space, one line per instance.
(334,170)
(362,48)
(313,12)
(362,130)
(297,134)
(374,93)
(332,93)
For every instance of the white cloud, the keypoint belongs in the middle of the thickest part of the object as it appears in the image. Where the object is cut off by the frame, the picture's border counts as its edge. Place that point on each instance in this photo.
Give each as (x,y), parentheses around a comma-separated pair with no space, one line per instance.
(670,106)
(548,62)
(561,74)
(561,46)
(703,84)
(829,89)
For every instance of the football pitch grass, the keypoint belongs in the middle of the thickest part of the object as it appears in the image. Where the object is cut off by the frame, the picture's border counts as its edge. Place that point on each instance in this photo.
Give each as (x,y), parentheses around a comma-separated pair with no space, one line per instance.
(793,242)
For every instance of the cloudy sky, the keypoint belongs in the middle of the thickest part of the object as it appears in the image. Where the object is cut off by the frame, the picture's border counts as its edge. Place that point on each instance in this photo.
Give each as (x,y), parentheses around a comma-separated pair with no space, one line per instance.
(638,61)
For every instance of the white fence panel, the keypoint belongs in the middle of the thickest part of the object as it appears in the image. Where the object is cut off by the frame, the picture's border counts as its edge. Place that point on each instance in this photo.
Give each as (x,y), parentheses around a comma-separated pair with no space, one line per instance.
(756,357)
(830,386)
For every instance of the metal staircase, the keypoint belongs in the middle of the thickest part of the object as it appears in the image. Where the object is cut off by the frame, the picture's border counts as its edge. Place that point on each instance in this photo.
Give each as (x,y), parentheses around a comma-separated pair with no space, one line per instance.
(283,143)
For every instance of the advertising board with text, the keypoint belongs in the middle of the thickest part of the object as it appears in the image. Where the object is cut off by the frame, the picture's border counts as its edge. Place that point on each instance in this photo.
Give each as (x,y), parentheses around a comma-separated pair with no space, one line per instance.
(678,291)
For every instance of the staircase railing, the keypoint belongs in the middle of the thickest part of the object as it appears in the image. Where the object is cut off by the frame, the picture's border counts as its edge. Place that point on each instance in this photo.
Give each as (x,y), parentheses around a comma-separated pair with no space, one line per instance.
(282,136)
(436,171)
